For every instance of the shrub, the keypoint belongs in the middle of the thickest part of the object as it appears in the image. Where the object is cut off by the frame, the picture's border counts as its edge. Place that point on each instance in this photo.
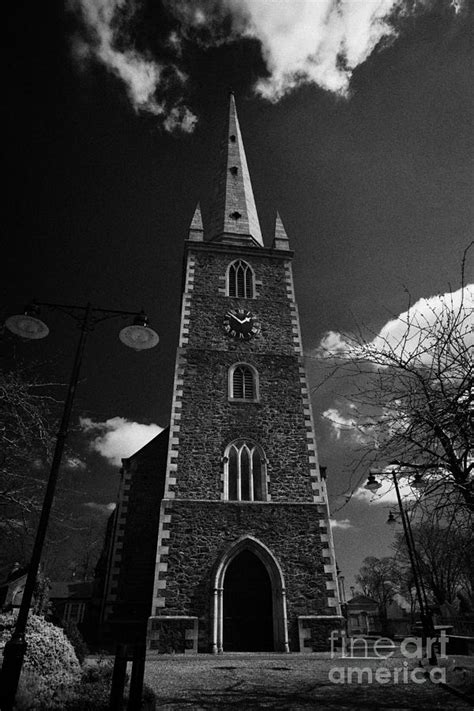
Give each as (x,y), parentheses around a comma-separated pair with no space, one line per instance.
(92,691)
(77,640)
(50,662)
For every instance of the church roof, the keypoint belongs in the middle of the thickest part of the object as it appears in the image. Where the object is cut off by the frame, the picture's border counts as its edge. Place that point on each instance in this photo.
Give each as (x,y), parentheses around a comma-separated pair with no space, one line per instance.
(233,214)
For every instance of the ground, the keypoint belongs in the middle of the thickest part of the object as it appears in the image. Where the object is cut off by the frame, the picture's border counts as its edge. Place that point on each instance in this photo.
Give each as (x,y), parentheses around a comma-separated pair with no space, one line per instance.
(299,682)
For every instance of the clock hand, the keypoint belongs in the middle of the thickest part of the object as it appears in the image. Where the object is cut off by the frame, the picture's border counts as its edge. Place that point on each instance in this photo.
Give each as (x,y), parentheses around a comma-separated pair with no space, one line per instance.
(236,318)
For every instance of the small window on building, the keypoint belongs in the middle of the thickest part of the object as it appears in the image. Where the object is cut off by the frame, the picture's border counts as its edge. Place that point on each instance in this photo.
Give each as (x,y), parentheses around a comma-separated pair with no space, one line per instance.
(240,280)
(245,476)
(74,612)
(243,383)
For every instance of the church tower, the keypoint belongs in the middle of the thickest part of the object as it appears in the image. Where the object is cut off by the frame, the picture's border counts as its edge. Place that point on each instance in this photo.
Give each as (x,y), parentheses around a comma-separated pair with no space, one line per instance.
(244,558)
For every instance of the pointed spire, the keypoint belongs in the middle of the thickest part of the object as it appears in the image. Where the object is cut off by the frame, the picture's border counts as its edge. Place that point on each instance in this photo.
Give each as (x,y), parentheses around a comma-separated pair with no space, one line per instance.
(280,240)
(196,230)
(234,216)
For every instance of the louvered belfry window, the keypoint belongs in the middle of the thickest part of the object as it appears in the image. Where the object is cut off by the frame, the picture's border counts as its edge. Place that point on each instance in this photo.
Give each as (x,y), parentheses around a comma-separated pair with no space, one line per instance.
(241,280)
(243,384)
(245,472)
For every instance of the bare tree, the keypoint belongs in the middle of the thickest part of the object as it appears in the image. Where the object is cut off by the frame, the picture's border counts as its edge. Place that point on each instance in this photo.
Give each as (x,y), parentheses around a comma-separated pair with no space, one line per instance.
(379,579)
(412,393)
(445,559)
(25,442)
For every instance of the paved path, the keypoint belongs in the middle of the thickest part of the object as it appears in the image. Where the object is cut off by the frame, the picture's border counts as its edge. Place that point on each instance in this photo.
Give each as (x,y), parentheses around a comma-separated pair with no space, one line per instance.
(300,682)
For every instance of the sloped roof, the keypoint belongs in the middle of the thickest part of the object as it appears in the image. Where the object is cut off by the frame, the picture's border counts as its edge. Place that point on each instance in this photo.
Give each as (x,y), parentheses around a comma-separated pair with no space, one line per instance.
(67,590)
(362,600)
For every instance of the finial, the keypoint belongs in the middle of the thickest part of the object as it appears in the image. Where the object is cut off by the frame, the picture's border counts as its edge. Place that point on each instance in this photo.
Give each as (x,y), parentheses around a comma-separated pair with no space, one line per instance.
(280,240)
(196,230)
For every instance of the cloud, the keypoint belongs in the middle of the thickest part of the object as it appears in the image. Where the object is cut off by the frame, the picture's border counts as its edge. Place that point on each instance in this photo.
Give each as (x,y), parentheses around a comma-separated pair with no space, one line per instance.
(345,420)
(418,328)
(303,41)
(414,331)
(100,508)
(104,40)
(332,344)
(320,42)
(118,438)
(339,422)
(343,524)
(75,463)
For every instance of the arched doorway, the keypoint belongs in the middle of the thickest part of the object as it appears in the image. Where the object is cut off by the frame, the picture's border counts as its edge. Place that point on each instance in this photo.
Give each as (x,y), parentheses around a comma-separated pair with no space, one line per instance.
(248,606)
(248,609)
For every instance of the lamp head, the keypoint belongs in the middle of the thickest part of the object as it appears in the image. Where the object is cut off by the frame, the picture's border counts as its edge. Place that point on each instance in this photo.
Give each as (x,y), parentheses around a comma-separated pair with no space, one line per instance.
(372,484)
(418,482)
(139,335)
(27,325)
(391,519)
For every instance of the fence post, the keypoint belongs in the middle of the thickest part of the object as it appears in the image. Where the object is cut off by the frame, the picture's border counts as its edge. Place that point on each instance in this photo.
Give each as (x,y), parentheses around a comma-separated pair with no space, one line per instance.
(118,678)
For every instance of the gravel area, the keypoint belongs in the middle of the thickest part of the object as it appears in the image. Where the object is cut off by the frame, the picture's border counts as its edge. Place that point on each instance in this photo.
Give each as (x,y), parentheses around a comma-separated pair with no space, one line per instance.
(293,681)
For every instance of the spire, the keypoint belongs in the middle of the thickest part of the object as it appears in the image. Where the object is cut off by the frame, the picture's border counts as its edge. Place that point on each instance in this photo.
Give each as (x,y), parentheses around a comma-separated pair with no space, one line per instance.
(196,231)
(280,240)
(234,216)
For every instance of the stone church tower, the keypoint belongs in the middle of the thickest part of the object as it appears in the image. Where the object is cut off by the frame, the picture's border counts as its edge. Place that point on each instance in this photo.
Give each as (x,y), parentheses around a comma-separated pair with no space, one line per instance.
(244,556)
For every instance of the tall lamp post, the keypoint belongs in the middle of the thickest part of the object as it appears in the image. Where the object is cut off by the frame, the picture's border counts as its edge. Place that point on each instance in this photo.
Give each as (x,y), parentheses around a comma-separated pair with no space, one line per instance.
(373,485)
(138,336)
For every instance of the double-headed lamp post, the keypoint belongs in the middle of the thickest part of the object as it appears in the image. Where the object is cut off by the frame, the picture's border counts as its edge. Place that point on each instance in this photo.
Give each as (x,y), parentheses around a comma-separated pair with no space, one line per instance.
(416,483)
(138,336)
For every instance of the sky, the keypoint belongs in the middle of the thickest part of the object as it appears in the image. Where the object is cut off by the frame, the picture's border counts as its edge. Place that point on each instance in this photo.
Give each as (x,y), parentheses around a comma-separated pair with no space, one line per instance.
(357,119)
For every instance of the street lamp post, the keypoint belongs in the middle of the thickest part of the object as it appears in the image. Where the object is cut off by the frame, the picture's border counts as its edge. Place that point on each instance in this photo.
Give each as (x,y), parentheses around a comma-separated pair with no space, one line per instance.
(138,336)
(426,620)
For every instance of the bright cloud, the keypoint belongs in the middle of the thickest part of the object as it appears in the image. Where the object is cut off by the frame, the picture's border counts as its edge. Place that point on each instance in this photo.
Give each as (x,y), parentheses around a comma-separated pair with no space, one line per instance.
(427,316)
(118,438)
(414,331)
(303,41)
(318,42)
(339,422)
(140,74)
(75,463)
(100,508)
(344,420)
(333,343)
(343,524)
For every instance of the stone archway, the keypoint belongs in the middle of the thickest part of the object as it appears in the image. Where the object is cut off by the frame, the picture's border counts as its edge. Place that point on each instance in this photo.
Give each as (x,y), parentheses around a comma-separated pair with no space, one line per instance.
(256,599)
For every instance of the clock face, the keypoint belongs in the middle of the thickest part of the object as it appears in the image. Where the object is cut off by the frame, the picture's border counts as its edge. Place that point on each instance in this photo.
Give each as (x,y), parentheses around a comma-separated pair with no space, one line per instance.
(241,324)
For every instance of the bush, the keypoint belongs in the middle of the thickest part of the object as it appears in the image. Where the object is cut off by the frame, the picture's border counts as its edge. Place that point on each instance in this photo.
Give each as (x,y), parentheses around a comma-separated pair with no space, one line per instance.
(77,640)
(50,663)
(92,691)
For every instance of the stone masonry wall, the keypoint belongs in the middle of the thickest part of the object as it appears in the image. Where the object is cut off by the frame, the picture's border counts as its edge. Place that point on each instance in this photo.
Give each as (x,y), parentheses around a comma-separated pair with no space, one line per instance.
(271,306)
(138,534)
(199,534)
(208,421)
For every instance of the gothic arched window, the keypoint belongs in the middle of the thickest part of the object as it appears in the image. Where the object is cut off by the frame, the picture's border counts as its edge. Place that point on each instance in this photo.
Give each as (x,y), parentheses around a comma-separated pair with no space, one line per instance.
(243,382)
(240,280)
(245,475)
